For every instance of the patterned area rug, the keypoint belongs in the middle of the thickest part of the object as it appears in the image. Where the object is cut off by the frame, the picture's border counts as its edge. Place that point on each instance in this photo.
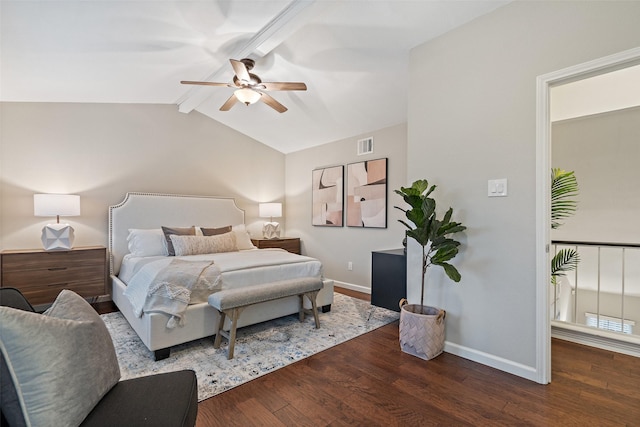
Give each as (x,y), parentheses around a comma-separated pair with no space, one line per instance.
(260,348)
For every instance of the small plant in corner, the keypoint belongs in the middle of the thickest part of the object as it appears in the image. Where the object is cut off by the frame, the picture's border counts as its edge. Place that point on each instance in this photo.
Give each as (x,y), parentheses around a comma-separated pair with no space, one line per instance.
(431,233)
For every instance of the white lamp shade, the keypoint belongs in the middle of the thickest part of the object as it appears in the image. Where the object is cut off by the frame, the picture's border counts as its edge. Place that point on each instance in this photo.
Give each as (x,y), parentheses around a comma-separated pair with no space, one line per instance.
(56,205)
(270,210)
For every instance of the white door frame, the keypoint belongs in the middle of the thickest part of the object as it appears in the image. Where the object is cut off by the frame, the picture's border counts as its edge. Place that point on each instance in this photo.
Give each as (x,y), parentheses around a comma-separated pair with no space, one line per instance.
(543,191)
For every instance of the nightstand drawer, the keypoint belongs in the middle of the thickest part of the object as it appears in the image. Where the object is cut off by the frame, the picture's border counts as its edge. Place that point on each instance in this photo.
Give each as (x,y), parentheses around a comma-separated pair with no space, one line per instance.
(51,260)
(38,295)
(51,276)
(41,275)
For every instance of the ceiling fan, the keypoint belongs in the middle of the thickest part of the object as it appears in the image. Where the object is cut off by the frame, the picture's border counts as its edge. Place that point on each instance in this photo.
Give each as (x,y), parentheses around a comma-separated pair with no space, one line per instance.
(249,87)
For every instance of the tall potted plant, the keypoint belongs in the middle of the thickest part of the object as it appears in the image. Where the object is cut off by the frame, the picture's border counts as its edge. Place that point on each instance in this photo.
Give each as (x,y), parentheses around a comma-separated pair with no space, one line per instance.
(422,327)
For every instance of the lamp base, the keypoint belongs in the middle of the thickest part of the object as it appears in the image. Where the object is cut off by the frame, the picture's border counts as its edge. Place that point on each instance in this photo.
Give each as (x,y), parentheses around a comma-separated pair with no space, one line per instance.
(271,230)
(57,237)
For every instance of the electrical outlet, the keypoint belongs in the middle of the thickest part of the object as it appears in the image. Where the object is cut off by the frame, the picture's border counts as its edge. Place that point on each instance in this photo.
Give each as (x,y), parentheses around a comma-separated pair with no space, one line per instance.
(350,266)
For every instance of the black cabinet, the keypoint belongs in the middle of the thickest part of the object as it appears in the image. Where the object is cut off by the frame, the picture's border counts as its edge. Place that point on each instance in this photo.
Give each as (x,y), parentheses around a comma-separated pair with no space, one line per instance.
(388,278)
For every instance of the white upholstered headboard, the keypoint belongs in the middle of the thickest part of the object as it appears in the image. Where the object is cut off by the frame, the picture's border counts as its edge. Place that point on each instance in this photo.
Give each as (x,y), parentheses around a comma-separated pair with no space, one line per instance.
(149,210)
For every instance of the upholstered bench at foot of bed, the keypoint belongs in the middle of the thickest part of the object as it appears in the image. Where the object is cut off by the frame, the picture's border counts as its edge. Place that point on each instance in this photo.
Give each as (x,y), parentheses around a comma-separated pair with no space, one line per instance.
(231,302)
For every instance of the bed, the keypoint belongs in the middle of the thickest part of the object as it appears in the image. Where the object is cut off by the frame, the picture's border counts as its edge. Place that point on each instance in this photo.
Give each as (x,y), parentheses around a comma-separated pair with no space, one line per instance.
(148,211)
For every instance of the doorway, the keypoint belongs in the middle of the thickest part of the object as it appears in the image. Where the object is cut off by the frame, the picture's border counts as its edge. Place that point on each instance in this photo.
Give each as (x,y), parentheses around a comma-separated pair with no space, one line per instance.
(543,184)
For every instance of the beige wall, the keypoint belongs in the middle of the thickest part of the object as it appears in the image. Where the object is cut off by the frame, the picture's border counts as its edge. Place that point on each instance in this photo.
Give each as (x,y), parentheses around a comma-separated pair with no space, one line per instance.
(603,150)
(101,151)
(336,246)
(473,118)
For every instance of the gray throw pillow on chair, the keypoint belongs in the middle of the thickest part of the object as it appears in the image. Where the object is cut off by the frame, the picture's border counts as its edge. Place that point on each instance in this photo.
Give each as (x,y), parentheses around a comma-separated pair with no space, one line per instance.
(61,362)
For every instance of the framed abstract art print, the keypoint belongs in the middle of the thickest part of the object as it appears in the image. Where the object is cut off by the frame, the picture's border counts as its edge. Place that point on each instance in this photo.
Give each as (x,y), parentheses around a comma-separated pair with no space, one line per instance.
(327,204)
(367,194)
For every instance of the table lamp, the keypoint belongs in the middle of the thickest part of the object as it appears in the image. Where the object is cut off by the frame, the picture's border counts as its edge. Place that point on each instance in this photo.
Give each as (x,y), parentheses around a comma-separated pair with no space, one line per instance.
(270,230)
(56,236)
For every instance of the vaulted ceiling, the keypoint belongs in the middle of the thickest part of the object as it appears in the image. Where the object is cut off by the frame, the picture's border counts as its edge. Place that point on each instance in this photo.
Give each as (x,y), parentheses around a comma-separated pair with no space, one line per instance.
(353,56)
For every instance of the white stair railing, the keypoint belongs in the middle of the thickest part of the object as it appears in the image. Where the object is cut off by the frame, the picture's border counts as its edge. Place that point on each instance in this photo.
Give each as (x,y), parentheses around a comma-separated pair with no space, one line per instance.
(603,292)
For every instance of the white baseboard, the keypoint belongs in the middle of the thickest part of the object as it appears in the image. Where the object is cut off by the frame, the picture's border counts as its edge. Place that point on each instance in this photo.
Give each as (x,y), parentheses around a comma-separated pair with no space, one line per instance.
(493,361)
(352,287)
(591,340)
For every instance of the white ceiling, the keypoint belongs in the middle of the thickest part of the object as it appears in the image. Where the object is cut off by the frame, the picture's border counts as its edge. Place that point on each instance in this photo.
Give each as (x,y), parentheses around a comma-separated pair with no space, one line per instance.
(353,56)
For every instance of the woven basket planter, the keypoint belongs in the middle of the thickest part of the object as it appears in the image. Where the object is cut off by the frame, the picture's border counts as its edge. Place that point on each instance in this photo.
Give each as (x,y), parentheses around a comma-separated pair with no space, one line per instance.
(421,335)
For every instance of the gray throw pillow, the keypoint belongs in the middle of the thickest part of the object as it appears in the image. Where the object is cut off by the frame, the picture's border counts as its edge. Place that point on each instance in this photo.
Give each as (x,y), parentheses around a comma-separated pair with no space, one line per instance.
(61,362)
(210,231)
(178,231)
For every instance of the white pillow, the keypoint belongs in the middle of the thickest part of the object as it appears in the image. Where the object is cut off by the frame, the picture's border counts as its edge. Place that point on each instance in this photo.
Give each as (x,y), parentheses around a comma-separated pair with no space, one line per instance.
(197,245)
(243,239)
(147,242)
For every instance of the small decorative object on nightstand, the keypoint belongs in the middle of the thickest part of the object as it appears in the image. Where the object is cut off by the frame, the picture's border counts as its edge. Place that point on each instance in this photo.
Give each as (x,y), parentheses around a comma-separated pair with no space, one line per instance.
(271,229)
(291,244)
(56,236)
(40,275)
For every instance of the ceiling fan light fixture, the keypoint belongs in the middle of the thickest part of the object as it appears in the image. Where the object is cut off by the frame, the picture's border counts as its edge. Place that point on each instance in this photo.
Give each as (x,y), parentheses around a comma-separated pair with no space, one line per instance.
(247,96)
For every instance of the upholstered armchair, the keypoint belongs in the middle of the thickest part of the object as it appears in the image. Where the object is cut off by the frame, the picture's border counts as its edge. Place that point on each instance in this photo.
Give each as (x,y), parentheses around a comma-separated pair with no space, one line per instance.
(59,368)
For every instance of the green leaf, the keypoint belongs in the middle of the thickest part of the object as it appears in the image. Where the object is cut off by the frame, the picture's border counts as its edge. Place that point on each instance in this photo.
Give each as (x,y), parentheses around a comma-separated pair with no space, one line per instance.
(563,261)
(444,254)
(451,271)
(450,228)
(428,207)
(564,189)
(441,242)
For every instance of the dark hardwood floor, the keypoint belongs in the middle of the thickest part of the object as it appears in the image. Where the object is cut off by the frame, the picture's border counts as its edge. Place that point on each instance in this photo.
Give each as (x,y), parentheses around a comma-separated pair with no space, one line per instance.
(368,381)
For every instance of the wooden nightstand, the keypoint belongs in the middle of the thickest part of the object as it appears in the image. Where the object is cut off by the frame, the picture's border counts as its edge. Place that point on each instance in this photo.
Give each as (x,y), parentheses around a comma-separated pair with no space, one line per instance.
(40,275)
(291,244)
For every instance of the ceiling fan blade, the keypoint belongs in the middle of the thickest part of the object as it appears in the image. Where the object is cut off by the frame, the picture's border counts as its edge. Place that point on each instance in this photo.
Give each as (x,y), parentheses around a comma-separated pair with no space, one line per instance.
(273,103)
(229,103)
(284,86)
(241,70)
(189,82)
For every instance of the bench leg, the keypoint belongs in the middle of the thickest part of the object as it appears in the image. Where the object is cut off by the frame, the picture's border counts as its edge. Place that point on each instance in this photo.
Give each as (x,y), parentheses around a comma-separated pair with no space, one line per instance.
(312,296)
(314,308)
(232,332)
(216,342)
(231,335)
(301,311)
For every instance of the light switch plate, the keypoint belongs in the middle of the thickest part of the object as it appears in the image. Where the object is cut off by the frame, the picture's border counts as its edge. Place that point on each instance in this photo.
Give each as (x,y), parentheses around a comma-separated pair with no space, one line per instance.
(497,187)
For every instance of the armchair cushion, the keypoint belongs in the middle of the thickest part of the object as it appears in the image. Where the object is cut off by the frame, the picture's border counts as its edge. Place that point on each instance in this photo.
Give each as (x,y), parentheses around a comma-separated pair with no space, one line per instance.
(166,399)
(61,363)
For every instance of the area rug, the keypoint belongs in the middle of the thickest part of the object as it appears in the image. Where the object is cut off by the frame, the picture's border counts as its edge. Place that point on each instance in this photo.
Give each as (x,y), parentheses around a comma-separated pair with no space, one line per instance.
(259,349)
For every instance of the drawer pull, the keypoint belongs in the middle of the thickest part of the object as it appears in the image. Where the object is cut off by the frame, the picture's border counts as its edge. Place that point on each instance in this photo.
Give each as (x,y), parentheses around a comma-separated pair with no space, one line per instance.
(57,268)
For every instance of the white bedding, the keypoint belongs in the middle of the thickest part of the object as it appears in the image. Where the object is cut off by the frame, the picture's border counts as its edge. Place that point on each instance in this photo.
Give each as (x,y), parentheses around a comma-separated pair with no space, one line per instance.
(242,268)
